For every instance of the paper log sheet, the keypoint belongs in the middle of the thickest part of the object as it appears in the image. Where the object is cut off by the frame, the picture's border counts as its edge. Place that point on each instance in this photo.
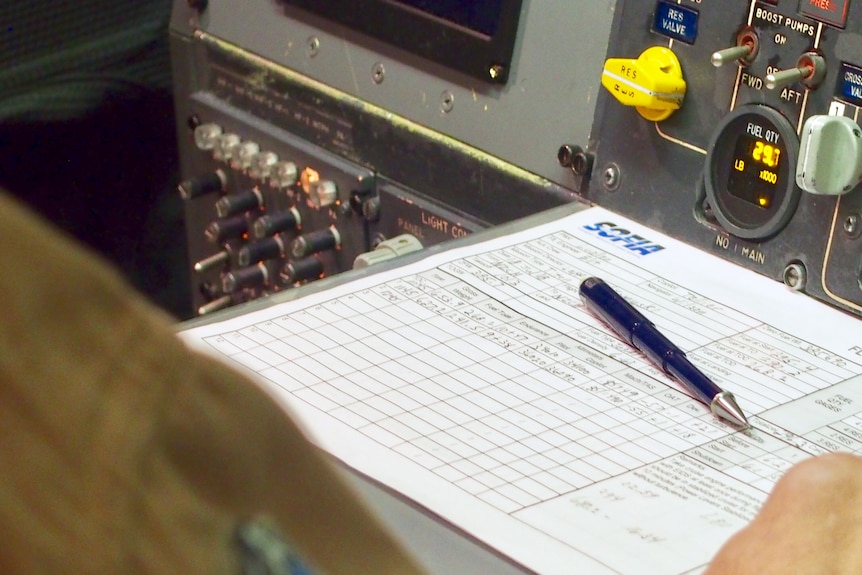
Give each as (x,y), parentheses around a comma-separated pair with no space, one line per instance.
(475,383)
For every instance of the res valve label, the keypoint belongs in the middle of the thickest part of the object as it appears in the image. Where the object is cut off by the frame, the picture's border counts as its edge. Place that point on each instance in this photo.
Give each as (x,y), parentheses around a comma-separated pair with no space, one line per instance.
(675,21)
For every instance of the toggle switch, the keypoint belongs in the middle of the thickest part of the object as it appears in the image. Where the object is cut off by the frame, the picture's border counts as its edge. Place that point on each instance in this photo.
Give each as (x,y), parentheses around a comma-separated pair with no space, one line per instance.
(810,70)
(830,155)
(200,185)
(248,200)
(272,224)
(215,305)
(215,261)
(315,242)
(652,83)
(251,277)
(268,249)
(744,52)
(220,231)
(302,270)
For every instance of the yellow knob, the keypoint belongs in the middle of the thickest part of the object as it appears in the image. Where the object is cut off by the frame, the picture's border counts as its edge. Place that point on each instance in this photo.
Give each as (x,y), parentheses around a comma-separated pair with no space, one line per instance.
(652,83)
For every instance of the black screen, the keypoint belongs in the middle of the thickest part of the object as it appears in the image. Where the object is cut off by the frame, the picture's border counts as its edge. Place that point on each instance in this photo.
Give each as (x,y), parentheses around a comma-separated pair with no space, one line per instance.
(481,16)
(476,37)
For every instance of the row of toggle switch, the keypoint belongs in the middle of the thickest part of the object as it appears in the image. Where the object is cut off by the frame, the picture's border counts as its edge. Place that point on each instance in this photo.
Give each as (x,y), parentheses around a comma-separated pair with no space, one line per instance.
(234,223)
(258,276)
(247,157)
(259,249)
(244,265)
(810,67)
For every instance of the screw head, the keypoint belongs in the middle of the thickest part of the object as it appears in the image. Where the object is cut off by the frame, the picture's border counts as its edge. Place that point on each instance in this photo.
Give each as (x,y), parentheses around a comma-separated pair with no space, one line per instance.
(611,177)
(312,46)
(853,225)
(378,73)
(447,101)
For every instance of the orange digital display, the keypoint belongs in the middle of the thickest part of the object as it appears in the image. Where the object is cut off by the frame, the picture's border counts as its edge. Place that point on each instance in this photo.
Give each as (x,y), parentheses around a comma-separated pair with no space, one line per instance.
(755,172)
(765,153)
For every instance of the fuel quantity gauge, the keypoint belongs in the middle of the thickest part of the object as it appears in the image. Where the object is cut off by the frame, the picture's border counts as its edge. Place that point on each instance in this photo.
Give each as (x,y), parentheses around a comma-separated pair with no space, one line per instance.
(749,173)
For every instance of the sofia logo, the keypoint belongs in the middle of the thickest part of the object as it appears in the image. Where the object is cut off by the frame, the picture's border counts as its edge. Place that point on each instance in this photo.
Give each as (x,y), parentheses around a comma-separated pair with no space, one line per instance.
(624,238)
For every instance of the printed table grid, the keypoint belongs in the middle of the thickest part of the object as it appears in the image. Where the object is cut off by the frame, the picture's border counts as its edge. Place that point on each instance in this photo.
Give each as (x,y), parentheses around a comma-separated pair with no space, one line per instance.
(488,372)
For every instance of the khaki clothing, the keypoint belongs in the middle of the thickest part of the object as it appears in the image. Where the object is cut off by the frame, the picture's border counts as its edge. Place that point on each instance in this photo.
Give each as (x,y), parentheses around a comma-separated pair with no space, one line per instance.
(123,452)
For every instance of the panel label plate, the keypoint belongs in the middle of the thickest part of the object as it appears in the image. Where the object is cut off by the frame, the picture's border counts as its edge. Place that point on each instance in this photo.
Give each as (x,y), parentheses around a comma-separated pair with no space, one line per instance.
(675,21)
(850,84)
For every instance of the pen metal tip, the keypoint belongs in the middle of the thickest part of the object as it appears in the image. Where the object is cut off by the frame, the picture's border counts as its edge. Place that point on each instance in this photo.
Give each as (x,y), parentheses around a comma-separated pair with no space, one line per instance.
(724,406)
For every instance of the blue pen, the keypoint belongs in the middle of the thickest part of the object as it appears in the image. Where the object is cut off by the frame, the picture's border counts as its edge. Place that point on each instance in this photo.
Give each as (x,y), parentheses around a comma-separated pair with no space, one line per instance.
(632,326)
